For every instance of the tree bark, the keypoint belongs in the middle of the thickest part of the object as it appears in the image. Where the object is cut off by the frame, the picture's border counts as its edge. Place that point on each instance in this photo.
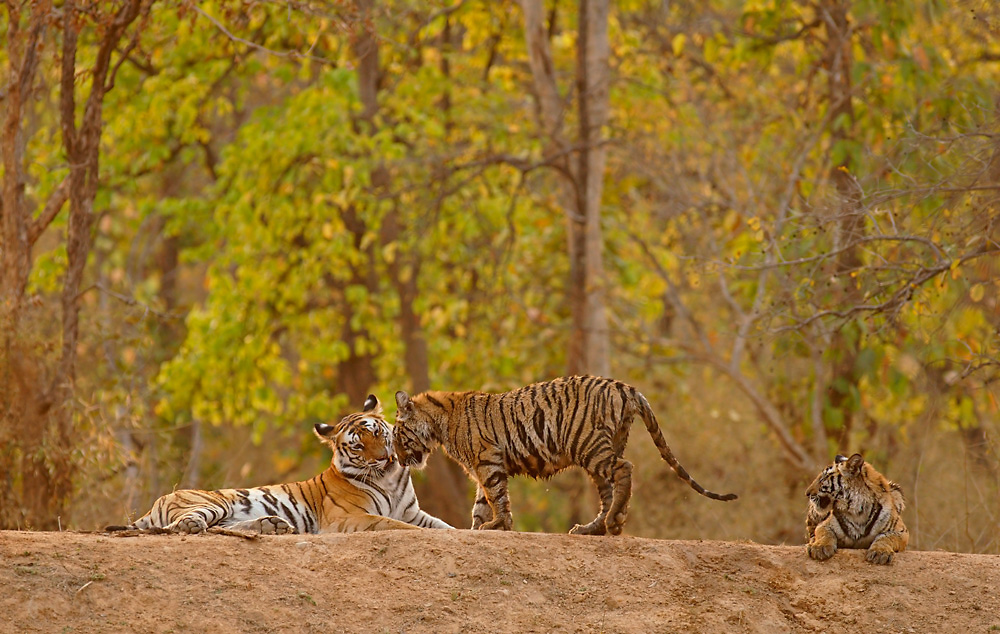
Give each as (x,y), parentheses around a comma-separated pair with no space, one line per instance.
(593,50)
(445,492)
(16,393)
(839,60)
(580,169)
(37,400)
(580,172)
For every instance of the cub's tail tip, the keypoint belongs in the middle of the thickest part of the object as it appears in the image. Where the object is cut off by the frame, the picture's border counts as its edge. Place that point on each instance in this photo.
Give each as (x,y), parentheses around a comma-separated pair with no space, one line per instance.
(113,528)
(727,497)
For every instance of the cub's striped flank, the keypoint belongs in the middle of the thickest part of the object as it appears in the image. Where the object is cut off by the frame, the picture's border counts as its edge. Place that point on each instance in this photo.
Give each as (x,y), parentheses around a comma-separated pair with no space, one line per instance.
(536,431)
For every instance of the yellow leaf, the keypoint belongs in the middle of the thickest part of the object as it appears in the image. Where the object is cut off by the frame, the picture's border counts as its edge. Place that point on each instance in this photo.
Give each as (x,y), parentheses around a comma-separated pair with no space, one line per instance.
(977,293)
(389,252)
(678,44)
(328,231)
(941,282)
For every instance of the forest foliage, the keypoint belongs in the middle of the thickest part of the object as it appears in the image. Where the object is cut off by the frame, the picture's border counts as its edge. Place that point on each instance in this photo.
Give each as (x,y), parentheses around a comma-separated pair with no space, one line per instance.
(299,203)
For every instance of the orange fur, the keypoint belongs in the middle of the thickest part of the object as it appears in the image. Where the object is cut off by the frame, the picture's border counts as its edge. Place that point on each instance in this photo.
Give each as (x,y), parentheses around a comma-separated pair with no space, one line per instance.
(851,505)
(364,489)
(536,431)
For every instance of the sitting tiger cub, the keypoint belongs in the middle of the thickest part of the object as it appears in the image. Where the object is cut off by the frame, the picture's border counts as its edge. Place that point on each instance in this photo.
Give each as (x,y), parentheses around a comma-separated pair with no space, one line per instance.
(364,489)
(851,505)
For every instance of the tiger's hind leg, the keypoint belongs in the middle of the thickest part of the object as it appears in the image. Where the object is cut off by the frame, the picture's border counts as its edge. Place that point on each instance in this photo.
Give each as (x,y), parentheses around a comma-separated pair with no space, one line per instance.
(267,525)
(366,522)
(597,525)
(481,511)
(622,479)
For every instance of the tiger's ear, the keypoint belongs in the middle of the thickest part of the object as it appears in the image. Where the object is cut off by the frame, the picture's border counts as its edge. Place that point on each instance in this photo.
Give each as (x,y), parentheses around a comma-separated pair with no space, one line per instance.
(855,462)
(371,403)
(324,432)
(403,402)
(840,458)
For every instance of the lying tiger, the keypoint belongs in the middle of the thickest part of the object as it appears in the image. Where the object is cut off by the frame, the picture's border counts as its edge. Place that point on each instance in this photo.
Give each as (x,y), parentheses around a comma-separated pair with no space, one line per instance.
(364,489)
(851,505)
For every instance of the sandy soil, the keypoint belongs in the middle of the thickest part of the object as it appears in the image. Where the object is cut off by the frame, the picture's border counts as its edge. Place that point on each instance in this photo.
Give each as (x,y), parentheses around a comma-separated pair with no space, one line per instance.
(465,581)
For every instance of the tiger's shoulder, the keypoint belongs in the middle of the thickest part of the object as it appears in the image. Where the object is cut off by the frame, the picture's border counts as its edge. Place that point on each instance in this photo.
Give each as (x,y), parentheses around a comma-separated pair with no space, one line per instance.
(888,492)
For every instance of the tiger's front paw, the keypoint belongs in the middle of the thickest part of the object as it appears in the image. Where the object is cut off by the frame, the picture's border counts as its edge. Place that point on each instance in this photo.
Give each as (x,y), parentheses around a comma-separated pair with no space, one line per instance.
(617,523)
(879,556)
(499,524)
(190,526)
(821,552)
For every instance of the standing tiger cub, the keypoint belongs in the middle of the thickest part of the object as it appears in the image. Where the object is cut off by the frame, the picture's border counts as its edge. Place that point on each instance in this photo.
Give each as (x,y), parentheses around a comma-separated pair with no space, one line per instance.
(364,489)
(536,431)
(851,505)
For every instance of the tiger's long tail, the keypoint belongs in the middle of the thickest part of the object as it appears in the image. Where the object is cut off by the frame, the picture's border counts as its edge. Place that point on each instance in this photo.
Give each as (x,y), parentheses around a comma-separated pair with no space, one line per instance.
(654,430)
(143,523)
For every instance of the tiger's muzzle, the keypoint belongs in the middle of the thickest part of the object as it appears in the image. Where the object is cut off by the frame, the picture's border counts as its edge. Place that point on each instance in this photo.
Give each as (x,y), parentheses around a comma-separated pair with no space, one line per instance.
(821,500)
(416,459)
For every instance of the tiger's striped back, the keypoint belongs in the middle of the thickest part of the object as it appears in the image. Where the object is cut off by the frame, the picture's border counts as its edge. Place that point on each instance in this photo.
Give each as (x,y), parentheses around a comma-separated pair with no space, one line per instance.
(537,430)
(365,488)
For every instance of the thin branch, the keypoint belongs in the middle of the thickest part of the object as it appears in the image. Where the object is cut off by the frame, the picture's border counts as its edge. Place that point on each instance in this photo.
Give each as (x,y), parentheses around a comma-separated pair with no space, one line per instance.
(49,213)
(256,46)
(124,55)
(900,297)
(129,301)
(835,252)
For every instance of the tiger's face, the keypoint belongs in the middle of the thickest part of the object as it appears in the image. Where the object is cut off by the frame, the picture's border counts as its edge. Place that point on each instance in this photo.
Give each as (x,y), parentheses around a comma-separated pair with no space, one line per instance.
(412,431)
(361,442)
(828,486)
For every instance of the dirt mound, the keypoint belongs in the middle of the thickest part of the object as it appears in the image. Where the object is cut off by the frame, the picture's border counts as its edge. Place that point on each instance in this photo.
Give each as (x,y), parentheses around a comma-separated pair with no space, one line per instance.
(457,581)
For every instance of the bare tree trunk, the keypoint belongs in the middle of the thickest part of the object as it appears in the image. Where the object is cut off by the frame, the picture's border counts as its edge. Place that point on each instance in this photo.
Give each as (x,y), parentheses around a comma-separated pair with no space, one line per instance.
(445,492)
(356,373)
(850,226)
(17,393)
(41,445)
(580,171)
(593,51)
(191,479)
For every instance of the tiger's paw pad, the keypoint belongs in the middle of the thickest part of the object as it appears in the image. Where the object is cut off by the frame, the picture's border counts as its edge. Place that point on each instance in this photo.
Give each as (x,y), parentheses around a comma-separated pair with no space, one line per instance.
(190,526)
(272,525)
(821,552)
(881,557)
